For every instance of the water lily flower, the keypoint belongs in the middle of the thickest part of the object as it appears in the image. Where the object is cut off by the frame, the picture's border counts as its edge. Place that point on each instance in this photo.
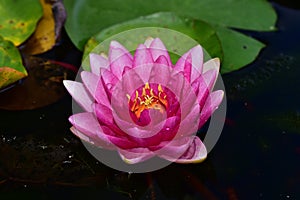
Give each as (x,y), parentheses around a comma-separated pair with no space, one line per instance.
(144,106)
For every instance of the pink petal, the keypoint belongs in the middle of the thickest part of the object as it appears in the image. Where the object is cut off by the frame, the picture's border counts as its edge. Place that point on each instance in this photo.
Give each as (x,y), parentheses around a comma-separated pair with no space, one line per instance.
(196,56)
(195,153)
(90,82)
(92,139)
(153,134)
(117,45)
(212,64)
(187,71)
(172,150)
(210,78)
(118,140)
(130,83)
(158,49)
(203,85)
(135,155)
(97,62)
(105,117)
(142,56)
(211,104)
(104,114)
(161,74)
(79,94)
(119,58)
(179,87)
(162,60)
(101,95)
(126,69)
(109,80)
(87,125)
(148,42)
(189,125)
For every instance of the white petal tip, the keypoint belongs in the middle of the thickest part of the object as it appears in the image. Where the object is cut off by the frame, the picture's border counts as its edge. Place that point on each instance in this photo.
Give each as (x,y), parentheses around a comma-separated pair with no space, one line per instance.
(213,63)
(115,44)
(69,84)
(148,41)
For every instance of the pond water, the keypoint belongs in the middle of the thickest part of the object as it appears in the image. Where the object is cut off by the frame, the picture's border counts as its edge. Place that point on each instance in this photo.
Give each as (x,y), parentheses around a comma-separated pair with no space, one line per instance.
(256,157)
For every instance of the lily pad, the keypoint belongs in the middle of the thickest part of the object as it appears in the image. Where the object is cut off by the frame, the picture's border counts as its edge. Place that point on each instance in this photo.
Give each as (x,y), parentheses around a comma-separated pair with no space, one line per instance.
(239,50)
(234,49)
(88,17)
(11,67)
(176,42)
(18,19)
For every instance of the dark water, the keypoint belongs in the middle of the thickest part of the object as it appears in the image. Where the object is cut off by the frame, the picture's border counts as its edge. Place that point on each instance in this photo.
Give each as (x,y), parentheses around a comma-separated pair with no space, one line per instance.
(257,156)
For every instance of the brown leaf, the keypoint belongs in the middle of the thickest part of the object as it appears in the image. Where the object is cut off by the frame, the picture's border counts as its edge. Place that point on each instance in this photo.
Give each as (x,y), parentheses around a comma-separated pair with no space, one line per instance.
(47,30)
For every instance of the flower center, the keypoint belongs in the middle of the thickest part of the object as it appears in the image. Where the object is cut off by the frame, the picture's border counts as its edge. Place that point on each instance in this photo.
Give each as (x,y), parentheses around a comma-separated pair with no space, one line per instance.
(148,99)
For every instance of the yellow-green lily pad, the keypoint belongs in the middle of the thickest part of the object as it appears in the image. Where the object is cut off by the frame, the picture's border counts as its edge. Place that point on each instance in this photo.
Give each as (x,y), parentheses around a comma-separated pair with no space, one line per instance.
(11,67)
(18,19)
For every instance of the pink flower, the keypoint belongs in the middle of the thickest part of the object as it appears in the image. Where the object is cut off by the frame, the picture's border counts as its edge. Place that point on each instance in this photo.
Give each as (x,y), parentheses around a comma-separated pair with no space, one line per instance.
(143,105)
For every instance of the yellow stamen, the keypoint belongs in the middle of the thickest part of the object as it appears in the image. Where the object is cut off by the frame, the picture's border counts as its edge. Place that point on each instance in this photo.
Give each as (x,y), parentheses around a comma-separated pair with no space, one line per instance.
(147,86)
(160,88)
(148,100)
(128,97)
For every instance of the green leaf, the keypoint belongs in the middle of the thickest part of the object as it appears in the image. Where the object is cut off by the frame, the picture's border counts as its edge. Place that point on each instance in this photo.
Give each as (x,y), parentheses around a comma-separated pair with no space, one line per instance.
(177,43)
(18,19)
(234,49)
(88,17)
(11,67)
(239,50)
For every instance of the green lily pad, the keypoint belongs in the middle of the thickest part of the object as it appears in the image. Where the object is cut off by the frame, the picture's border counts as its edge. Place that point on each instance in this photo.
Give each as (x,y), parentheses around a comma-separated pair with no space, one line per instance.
(11,67)
(18,19)
(87,17)
(234,49)
(239,50)
(158,25)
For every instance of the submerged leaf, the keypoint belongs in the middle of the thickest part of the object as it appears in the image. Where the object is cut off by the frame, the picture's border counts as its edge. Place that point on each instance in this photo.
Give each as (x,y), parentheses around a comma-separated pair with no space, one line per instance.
(288,122)
(18,19)
(11,67)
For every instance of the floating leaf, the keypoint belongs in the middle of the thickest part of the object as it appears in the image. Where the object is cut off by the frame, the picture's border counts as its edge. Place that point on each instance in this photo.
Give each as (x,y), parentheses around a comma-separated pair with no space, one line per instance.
(18,19)
(11,67)
(200,31)
(87,17)
(239,50)
(234,49)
